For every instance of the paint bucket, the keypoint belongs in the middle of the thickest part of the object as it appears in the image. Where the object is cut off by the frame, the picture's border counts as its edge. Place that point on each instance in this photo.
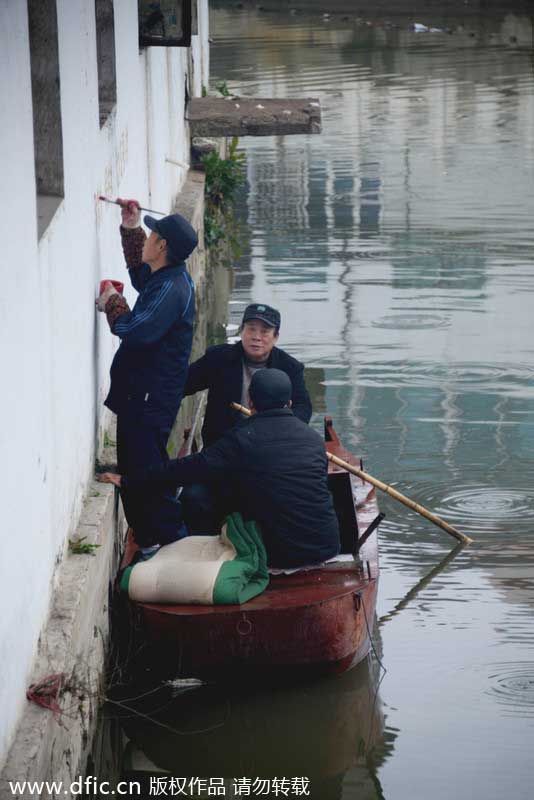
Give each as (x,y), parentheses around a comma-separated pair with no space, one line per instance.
(117,284)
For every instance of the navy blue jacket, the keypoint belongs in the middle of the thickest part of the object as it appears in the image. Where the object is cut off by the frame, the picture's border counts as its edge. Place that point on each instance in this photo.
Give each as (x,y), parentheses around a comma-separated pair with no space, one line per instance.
(221,371)
(150,366)
(275,468)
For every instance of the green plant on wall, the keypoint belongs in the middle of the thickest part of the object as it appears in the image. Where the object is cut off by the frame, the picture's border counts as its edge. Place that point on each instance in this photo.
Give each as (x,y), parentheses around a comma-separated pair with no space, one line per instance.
(81,547)
(222,88)
(223,177)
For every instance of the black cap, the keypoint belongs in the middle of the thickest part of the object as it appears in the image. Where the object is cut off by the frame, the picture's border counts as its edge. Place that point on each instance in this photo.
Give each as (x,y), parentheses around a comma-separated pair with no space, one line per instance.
(180,236)
(270,388)
(264,313)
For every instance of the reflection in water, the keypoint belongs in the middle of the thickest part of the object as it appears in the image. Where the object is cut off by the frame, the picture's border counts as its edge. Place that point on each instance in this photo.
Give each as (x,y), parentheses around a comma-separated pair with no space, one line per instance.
(399,246)
(513,686)
(421,584)
(369,199)
(331,731)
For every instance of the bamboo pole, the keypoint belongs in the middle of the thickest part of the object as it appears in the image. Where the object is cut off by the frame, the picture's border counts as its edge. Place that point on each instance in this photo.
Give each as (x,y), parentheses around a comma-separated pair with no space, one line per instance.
(400,497)
(243,409)
(385,488)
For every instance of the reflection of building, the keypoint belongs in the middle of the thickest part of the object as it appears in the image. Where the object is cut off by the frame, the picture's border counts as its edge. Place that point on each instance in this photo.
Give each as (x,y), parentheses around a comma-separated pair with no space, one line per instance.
(514,581)
(402,151)
(369,198)
(409,281)
(280,184)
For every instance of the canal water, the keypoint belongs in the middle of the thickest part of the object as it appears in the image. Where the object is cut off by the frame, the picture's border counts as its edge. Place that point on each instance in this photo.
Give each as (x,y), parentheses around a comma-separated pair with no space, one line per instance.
(398,246)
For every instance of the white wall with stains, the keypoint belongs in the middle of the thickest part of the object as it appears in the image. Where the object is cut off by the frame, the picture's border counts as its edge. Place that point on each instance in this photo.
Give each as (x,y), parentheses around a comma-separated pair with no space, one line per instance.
(55,352)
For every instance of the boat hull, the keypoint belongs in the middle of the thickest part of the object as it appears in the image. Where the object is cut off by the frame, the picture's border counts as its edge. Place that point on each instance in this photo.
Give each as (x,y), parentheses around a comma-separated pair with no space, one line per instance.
(318,636)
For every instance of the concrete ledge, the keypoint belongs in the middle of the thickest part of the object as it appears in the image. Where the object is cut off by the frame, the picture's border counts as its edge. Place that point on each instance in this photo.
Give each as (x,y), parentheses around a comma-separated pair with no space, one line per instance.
(248,116)
(190,202)
(74,642)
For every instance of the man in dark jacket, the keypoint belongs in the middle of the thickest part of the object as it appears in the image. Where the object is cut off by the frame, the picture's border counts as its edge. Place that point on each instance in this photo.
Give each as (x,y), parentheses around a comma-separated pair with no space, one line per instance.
(149,369)
(275,470)
(226,370)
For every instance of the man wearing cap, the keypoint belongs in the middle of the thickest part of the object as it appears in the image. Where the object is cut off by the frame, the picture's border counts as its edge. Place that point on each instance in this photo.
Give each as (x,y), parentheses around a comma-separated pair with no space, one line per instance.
(149,370)
(273,468)
(226,371)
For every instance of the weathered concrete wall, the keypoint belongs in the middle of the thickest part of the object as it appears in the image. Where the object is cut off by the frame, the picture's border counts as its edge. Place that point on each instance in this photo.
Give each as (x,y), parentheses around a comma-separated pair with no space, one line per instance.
(74,643)
(76,637)
(55,350)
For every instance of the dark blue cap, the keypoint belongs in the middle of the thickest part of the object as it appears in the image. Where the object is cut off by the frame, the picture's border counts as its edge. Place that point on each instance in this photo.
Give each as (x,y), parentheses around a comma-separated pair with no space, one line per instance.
(267,314)
(270,388)
(180,236)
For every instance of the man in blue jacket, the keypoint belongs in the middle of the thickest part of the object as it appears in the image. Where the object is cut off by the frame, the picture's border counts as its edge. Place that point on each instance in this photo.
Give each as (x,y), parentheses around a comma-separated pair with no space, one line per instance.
(273,469)
(149,370)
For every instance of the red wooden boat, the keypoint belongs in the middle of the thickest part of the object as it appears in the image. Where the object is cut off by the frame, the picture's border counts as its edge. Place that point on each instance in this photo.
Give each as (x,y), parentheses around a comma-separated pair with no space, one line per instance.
(313,621)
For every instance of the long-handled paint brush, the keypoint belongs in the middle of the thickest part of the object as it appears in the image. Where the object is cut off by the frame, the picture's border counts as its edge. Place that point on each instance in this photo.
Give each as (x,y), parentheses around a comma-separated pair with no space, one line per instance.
(125,205)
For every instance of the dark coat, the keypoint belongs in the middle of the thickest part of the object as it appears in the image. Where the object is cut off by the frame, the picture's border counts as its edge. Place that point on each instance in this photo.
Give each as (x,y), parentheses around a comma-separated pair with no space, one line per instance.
(275,468)
(221,371)
(150,366)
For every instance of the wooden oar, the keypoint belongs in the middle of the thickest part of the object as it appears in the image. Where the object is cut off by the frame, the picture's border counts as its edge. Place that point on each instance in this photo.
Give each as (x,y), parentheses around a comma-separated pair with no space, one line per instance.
(387,489)
(400,497)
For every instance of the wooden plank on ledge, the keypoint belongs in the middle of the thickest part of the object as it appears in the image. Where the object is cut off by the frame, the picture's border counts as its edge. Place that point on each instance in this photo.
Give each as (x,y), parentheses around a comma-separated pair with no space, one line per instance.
(251,116)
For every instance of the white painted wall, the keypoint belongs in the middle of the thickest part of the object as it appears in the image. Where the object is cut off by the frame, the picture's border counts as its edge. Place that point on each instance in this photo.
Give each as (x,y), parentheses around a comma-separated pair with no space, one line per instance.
(54,351)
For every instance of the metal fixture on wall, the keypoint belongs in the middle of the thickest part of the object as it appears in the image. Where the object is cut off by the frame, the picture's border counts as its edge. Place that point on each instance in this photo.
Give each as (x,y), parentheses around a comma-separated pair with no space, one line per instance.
(166,23)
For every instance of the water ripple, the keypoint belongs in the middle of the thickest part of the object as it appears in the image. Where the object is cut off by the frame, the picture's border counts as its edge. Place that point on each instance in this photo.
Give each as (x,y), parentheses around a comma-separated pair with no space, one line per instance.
(512,686)
(478,509)
(484,503)
(411,321)
(512,379)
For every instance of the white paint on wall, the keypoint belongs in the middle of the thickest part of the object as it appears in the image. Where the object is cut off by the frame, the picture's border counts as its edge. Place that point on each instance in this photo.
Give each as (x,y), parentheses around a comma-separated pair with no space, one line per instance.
(55,351)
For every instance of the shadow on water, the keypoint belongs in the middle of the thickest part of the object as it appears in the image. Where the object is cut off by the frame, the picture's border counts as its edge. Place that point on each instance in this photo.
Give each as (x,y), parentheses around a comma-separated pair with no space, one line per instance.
(330,732)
